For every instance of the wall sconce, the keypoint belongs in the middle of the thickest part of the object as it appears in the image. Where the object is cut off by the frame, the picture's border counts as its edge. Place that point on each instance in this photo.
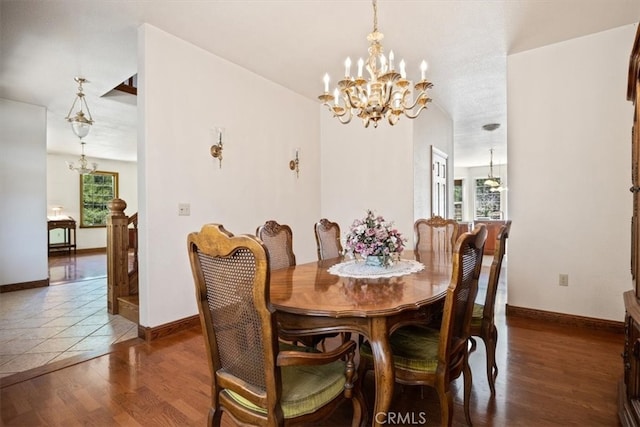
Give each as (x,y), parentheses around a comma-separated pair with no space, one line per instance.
(216,149)
(294,164)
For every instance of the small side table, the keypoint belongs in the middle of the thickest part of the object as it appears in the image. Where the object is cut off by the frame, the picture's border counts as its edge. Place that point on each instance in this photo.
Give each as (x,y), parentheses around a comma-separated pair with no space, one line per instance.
(66,223)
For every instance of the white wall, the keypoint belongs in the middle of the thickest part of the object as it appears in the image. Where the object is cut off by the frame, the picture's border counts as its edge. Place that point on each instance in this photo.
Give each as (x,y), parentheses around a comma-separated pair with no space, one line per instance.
(63,189)
(386,169)
(367,169)
(23,246)
(183,93)
(569,131)
(433,127)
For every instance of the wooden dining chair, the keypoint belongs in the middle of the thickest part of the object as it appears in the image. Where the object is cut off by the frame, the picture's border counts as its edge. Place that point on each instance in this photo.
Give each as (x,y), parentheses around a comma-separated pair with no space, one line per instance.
(435,234)
(435,357)
(327,239)
(482,322)
(328,246)
(278,238)
(256,379)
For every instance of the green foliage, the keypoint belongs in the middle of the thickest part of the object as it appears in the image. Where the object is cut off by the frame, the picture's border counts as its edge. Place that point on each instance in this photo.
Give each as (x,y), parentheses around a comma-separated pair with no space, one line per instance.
(98,189)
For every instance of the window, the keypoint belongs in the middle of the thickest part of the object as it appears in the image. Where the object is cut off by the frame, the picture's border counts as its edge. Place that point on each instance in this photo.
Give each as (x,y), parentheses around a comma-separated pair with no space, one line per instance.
(457,199)
(487,200)
(96,190)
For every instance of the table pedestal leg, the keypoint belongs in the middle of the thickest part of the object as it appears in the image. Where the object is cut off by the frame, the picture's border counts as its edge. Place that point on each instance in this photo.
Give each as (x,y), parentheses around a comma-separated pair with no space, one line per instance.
(383,369)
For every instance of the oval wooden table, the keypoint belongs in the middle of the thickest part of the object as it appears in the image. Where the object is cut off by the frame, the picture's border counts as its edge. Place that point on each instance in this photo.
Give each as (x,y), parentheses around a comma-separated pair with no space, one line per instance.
(310,300)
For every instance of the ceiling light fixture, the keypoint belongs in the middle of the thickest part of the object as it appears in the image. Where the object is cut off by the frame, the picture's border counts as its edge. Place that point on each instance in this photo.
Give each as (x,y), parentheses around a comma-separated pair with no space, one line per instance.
(83,167)
(80,123)
(491,181)
(386,94)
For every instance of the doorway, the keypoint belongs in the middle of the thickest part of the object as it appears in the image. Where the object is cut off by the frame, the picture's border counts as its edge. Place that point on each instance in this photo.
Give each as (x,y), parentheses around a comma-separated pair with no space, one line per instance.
(438,182)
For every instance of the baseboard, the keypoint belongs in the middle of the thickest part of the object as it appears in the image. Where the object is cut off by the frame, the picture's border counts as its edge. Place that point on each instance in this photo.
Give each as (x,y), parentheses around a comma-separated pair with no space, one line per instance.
(87,251)
(84,251)
(565,319)
(24,285)
(150,334)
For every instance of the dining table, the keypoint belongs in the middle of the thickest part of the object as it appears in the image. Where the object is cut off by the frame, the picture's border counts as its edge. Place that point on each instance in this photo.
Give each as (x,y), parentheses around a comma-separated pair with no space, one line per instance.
(344,294)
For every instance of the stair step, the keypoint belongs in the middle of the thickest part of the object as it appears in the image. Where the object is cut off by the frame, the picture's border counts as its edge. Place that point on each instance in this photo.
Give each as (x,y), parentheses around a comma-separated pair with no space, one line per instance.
(128,307)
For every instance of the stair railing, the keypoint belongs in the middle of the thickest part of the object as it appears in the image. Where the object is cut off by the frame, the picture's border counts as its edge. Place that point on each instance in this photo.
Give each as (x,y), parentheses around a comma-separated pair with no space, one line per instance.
(118,245)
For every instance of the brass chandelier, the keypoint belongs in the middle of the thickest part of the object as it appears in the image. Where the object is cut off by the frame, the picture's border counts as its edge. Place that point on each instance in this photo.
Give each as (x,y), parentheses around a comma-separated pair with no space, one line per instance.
(386,94)
(83,167)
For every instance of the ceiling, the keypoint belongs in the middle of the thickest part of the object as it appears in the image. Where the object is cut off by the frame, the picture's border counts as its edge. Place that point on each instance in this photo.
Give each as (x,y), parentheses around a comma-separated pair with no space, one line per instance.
(45,44)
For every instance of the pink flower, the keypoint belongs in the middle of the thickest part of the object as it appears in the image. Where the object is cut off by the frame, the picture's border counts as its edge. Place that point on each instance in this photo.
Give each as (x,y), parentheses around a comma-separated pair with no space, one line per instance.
(372,235)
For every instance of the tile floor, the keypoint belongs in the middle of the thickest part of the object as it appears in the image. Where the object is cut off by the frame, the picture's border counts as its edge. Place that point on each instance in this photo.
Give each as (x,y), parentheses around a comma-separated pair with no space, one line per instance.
(43,325)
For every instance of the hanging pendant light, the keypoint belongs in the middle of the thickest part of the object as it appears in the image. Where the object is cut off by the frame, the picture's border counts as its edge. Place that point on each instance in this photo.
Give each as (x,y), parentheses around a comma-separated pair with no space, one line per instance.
(491,181)
(80,122)
(81,125)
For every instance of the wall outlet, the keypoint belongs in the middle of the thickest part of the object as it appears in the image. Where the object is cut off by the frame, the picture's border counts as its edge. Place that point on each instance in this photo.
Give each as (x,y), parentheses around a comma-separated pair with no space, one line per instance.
(184,209)
(563,280)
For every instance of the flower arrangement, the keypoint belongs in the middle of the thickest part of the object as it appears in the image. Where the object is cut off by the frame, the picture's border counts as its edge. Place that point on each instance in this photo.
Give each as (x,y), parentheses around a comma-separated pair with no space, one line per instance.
(372,236)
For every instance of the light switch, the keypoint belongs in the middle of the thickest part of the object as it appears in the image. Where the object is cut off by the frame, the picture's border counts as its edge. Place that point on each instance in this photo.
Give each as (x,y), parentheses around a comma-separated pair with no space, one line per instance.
(184,209)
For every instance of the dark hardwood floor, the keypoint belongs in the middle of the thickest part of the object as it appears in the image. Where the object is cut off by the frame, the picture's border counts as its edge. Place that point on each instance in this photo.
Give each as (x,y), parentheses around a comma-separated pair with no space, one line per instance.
(550,375)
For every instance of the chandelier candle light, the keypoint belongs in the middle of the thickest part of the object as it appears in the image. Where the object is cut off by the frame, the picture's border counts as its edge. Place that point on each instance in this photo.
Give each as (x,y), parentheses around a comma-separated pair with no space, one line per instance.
(375,240)
(386,94)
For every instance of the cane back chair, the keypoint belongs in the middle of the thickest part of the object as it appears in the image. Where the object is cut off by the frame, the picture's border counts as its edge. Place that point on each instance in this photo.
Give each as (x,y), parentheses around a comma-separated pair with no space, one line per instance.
(435,234)
(482,322)
(432,357)
(327,239)
(254,380)
(278,238)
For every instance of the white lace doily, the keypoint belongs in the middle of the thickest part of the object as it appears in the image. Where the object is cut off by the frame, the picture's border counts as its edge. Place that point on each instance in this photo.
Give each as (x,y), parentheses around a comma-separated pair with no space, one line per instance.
(359,269)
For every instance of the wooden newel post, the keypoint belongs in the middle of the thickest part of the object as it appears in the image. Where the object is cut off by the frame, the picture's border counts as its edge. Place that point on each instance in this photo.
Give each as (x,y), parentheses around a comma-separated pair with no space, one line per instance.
(117,254)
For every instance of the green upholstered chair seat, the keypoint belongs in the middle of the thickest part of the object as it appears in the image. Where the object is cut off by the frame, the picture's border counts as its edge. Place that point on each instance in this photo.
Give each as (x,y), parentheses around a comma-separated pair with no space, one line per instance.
(305,389)
(413,347)
(476,319)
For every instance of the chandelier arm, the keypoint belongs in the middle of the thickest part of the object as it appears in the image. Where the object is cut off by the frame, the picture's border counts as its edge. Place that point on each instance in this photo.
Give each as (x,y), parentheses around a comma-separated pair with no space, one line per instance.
(359,93)
(348,112)
(330,108)
(393,118)
(348,101)
(415,102)
(413,116)
(344,122)
(389,92)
